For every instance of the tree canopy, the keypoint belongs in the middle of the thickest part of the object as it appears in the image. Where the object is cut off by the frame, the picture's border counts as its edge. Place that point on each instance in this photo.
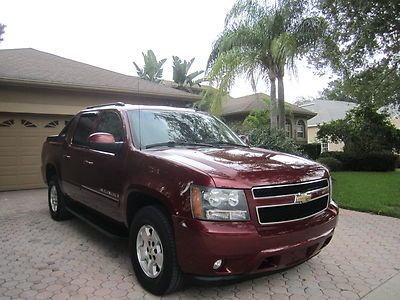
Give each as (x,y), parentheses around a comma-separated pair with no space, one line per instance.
(362,45)
(152,69)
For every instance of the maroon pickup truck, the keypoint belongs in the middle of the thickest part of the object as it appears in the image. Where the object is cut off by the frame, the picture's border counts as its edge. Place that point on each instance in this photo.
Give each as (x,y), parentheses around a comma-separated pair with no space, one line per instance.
(193,198)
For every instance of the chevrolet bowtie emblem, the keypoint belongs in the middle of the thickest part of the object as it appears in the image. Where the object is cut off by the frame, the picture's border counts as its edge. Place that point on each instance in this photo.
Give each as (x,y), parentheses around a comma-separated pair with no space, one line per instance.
(302,198)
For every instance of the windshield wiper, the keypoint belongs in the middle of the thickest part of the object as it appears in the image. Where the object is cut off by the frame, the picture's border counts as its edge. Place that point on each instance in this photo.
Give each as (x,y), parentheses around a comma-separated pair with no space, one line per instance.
(229,144)
(174,144)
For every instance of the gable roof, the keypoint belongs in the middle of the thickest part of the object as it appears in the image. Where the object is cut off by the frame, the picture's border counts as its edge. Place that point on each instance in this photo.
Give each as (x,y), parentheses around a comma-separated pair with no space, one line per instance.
(327,110)
(247,104)
(36,68)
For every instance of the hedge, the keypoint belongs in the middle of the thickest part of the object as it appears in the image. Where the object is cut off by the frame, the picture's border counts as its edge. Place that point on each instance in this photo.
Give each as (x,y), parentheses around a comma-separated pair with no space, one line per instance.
(374,161)
(331,163)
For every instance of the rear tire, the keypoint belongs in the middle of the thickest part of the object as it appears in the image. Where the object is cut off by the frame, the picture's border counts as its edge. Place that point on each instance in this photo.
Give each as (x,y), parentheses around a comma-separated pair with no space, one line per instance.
(153,252)
(56,201)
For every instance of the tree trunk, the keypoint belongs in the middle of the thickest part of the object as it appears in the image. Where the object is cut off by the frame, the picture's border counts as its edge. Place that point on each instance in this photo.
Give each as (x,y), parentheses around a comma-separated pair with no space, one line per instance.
(281,104)
(273,108)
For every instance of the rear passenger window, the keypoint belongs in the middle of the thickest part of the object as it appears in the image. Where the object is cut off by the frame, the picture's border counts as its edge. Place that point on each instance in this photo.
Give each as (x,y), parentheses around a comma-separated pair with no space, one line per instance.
(84,129)
(110,122)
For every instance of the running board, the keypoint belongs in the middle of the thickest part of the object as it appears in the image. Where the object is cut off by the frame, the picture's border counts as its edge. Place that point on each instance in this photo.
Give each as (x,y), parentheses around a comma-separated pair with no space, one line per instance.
(106,227)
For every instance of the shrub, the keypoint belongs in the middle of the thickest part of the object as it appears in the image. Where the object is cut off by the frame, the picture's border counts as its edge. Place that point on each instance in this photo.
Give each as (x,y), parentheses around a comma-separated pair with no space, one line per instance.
(313,151)
(331,163)
(273,139)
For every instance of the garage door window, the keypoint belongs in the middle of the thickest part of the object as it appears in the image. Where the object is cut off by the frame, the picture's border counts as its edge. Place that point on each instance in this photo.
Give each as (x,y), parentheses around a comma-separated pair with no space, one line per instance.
(84,129)
(7,123)
(28,124)
(52,124)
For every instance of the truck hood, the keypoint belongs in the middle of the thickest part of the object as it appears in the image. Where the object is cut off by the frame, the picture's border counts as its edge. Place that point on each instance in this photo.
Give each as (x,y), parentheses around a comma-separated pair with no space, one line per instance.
(244,167)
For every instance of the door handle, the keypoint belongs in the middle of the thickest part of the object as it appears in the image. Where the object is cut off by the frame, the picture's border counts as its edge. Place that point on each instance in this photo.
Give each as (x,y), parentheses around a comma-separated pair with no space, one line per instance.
(67,156)
(88,162)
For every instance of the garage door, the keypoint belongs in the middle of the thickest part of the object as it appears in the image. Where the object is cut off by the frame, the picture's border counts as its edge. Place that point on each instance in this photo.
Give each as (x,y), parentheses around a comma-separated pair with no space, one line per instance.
(21,140)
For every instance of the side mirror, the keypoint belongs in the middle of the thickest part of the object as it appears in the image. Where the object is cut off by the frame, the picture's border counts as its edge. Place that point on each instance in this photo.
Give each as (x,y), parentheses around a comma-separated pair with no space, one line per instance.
(244,138)
(105,142)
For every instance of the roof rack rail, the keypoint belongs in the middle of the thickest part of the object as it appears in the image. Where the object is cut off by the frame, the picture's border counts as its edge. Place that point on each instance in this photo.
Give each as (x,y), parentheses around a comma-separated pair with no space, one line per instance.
(107,104)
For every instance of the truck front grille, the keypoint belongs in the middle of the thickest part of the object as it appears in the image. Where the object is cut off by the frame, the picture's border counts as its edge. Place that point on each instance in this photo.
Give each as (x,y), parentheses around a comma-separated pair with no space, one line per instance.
(315,192)
(288,189)
(291,212)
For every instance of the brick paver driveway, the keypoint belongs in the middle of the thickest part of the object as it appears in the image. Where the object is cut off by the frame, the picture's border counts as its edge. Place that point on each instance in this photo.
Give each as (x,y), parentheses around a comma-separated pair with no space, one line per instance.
(41,259)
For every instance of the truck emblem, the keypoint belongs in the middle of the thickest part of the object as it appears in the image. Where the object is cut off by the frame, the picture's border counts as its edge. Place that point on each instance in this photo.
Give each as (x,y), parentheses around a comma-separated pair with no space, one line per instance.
(302,198)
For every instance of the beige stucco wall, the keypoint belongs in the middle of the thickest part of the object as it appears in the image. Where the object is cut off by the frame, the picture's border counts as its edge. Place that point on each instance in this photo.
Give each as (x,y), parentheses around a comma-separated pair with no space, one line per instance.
(396,122)
(312,138)
(50,101)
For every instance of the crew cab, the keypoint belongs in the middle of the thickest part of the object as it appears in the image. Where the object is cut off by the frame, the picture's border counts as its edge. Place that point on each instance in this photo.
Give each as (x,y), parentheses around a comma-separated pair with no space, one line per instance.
(194,199)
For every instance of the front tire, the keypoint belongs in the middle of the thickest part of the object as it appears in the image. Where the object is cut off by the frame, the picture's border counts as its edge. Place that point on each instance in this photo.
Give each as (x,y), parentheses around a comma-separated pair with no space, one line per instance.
(56,201)
(153,254)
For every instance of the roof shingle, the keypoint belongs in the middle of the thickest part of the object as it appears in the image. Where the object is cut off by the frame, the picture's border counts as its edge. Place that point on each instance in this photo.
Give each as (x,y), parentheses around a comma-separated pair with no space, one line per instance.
(35,67)
(250,103)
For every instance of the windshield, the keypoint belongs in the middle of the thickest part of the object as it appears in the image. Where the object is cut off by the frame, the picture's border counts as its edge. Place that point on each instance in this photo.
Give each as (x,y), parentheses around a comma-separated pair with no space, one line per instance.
(152,128)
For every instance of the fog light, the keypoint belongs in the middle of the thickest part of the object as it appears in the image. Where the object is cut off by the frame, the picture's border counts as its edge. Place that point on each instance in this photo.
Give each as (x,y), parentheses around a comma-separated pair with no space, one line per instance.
(217,264)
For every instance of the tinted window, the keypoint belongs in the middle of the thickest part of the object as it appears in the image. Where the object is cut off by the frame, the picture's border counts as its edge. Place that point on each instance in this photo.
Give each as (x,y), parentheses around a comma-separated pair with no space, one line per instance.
(84,129)
(66,128)
(110,122)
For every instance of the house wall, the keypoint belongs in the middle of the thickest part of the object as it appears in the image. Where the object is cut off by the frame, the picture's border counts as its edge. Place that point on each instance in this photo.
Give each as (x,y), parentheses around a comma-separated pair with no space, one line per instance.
(312,138)
(63,102)
(396,121)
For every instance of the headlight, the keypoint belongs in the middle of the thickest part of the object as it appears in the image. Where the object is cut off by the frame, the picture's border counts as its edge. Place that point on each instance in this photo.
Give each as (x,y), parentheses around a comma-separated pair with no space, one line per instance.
(218,204)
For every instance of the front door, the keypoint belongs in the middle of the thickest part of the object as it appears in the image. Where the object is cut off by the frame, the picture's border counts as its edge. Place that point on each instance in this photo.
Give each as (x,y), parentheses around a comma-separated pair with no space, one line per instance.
(102,183)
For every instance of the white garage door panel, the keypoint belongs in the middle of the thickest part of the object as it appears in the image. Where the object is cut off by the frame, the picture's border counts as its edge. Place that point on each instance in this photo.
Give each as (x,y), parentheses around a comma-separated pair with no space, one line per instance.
(21,140)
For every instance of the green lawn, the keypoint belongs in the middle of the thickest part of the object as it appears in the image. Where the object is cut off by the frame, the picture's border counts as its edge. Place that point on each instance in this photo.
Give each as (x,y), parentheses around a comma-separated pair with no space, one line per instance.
(376,192)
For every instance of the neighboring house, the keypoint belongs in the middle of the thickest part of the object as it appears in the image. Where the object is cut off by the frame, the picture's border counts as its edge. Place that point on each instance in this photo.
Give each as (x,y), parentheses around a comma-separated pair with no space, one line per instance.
(394,113)
(40,92)
(326,111)
(235,110)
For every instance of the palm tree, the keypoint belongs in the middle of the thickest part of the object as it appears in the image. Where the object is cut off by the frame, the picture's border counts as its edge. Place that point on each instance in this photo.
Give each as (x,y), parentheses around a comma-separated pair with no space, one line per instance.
(264,40)
(180,73)
(2,26)
(152,69)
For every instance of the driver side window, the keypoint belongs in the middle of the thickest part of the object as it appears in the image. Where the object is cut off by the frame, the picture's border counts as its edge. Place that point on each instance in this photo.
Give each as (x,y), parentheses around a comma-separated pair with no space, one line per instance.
(85,127)
(110,122)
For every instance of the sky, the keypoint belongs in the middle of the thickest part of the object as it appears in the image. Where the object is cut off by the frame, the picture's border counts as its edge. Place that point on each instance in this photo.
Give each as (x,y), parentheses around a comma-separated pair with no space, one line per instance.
(113,34)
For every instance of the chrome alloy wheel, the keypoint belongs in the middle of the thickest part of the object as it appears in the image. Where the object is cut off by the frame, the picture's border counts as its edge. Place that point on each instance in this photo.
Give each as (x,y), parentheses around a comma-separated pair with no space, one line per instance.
(149,251)
(53,198)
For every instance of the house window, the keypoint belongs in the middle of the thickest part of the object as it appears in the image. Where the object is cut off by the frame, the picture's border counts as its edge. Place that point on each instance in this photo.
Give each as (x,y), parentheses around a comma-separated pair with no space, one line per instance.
(301,129)
(324,147)
(7,123)
(288,128)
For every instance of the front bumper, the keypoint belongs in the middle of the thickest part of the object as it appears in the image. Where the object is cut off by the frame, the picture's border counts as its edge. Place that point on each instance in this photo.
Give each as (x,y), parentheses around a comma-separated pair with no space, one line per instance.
(249,248)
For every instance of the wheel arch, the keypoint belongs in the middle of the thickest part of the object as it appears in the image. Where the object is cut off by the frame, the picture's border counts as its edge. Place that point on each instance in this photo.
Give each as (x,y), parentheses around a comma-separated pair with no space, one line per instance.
(138,199)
